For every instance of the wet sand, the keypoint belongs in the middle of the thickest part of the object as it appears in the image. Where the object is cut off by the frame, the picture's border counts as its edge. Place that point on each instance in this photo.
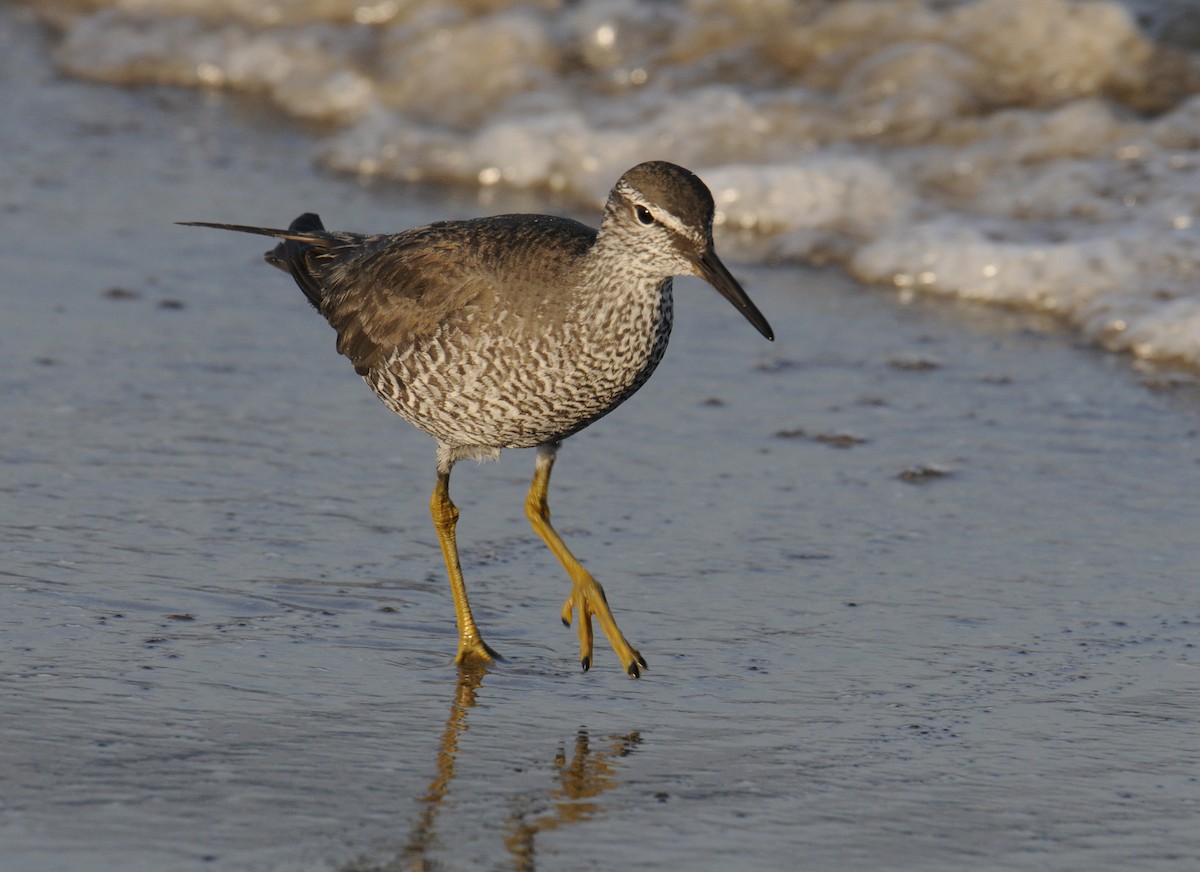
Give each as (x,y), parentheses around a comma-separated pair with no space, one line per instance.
(916,583)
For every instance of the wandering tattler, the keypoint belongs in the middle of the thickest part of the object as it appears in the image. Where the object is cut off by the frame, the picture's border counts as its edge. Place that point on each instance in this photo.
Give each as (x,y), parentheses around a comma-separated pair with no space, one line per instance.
(515,331)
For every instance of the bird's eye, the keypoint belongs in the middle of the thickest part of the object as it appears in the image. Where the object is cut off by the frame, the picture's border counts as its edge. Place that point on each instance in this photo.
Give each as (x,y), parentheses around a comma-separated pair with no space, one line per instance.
(643,215)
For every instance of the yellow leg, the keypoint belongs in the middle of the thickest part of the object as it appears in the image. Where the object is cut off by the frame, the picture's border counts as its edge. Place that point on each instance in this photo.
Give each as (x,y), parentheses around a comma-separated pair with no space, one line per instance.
(587,596)
(471,647)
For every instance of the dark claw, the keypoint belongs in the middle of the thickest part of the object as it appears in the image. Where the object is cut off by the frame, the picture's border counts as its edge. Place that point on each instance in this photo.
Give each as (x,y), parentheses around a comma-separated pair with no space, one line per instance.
(641,660)
(633,670)
(566,623)
(586,663)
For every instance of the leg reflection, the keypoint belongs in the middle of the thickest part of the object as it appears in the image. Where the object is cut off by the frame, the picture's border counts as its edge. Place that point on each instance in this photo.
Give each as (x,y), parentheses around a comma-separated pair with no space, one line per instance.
(571,797)
(470,676)
(581,780)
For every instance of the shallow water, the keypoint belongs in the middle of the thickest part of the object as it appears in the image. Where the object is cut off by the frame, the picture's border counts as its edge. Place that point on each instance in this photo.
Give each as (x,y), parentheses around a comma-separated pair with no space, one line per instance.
(916,583)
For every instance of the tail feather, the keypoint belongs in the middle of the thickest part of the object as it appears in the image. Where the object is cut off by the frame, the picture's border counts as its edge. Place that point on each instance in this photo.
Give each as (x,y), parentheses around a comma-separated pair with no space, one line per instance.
(304,234)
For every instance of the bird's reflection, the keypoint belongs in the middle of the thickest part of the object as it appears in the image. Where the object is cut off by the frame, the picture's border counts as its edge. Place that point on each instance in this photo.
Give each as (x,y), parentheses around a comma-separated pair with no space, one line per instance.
(470,676)
(588,772)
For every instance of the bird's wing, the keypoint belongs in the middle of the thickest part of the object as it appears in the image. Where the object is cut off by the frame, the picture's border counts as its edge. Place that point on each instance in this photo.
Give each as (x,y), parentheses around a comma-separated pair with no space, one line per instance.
(387,292)
(390,293)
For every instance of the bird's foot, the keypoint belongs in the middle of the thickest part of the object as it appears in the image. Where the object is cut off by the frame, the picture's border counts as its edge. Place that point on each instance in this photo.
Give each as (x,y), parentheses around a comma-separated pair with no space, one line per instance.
(473,650)
(588,599)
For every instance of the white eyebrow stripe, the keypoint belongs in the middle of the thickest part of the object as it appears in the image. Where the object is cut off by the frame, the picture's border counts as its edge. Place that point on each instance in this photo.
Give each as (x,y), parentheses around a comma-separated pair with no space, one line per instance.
(662,216)
(676,225)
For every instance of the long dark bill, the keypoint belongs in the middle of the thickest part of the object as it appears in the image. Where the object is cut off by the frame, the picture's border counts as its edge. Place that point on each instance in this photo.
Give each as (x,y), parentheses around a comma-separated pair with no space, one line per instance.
(714,272)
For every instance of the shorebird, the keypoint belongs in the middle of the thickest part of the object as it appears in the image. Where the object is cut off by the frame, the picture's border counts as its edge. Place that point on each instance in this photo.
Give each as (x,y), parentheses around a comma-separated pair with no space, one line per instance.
(514,331)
